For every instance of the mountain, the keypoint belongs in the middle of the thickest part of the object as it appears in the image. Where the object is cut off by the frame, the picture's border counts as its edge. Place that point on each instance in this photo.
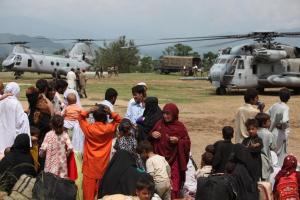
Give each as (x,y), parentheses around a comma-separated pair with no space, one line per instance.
(45,45)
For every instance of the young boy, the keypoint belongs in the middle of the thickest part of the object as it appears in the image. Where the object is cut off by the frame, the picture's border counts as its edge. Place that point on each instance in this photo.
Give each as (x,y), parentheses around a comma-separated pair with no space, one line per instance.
(71,115)
(255,145)
(279,114)
(269,144)
(158,168)
(223,149)
(145,187)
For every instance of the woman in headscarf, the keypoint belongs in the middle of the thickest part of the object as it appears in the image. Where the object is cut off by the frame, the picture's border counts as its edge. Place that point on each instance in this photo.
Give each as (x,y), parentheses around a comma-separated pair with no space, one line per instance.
(13,119)
(243,170)
(121,175)
(151,115)
(289,167)
(17,161)
(171,140)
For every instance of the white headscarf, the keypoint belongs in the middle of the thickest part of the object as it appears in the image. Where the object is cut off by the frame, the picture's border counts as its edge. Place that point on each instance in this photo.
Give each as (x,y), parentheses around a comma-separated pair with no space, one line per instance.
(13,88)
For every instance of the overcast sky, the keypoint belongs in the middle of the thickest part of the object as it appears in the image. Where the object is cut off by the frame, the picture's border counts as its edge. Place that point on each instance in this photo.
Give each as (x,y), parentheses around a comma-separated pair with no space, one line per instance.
(146,19)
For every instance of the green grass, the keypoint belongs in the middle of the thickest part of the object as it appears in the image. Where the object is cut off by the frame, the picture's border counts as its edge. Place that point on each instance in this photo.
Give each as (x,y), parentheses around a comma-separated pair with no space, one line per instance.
(168,88)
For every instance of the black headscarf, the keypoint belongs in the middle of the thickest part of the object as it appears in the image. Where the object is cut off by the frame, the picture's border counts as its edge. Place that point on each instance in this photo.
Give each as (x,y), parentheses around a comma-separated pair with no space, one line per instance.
(17,162)
(121,175)
(244,173)
(151,115)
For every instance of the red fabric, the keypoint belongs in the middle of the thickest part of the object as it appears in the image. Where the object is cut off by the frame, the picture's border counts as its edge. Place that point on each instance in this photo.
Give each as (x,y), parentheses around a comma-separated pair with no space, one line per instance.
(173,152)
(72,167)
(289,166)
(90,187)
(176,181)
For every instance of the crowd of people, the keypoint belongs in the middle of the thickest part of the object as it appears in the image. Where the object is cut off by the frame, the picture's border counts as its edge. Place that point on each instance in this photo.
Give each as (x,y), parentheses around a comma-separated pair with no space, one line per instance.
(147,154)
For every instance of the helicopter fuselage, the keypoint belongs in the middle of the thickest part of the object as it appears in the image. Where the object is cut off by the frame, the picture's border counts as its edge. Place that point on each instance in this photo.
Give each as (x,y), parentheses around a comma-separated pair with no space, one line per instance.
(40,63)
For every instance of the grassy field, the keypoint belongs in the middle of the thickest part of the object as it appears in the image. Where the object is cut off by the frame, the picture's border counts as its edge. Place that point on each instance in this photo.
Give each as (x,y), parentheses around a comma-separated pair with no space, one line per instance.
(203,113)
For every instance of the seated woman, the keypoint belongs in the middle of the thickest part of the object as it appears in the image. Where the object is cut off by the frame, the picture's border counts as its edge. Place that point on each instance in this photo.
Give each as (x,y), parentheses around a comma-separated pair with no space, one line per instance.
(121,175)
(151,115)
(16,162)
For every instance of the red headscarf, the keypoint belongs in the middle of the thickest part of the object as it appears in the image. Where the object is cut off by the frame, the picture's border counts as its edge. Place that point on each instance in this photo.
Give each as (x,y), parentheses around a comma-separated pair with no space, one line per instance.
(163,147)
(289,166)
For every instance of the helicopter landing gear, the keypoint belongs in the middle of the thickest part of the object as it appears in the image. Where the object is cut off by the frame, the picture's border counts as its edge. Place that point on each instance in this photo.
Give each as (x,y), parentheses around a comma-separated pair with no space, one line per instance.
(18,75)
(221,90)
(260,90)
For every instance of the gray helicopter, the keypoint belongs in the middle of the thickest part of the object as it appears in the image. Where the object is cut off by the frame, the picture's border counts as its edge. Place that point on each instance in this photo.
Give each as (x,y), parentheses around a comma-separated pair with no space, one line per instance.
(262,64)
(23,59)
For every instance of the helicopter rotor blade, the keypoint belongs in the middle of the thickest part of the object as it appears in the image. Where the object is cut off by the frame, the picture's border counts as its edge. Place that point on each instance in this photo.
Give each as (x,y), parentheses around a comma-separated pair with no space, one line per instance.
(223,43)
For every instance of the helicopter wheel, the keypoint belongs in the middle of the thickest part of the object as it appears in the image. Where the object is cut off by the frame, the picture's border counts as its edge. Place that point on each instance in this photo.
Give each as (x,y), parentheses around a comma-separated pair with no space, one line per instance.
(221,90)
(260,90)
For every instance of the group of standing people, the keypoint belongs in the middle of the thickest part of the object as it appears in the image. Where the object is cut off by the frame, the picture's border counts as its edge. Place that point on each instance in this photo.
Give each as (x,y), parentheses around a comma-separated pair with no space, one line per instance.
(110,71)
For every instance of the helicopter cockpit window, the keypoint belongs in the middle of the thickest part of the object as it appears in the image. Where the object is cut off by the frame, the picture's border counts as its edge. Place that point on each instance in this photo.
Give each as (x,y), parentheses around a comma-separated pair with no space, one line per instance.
(240,64)
(18,59)
(52,63)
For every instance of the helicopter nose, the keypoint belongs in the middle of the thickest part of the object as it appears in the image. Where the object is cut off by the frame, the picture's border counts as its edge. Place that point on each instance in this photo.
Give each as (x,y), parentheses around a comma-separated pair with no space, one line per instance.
(7,64)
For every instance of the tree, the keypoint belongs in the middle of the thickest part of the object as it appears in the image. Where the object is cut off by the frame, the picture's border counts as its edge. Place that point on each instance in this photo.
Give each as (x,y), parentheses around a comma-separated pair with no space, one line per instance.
(62,52)
(208,60)
(146,64)
(180,50)
(119,53)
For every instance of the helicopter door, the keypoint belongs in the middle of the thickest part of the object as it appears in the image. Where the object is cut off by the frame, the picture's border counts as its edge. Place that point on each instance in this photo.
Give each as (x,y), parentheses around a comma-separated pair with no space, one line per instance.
(240,73)
(29,62)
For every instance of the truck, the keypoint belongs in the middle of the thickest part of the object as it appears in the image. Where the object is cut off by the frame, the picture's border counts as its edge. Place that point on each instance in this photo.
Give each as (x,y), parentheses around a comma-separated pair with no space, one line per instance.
(170,64)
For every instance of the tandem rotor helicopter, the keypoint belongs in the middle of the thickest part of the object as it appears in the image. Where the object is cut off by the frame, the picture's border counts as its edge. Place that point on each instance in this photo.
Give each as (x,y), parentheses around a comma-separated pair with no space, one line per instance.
(261,64)
(23,59)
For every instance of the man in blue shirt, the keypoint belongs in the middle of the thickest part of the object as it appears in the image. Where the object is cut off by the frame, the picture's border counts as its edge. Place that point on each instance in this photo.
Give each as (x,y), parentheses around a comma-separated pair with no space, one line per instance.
(136,108)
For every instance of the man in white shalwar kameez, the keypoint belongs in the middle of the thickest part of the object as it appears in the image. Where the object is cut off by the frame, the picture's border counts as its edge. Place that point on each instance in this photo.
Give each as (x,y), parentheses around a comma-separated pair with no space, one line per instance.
(279,113)
(71,79)
(13,119)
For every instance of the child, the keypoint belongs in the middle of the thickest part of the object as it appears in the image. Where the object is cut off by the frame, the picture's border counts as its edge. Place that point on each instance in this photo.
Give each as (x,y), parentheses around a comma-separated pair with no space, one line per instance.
(255,145)
(287,181)
(206,165)
(71,114)
(158,168)
(145,187)
(223,149)
(35,133)
(269,144)
(56,147)
(126,139)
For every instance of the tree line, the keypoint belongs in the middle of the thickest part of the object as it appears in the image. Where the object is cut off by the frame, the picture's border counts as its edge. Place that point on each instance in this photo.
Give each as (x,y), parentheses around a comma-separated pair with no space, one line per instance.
(125,55)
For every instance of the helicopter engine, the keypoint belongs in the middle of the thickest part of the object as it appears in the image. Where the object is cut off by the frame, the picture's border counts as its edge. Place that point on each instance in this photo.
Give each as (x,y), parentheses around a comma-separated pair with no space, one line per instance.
(269,54)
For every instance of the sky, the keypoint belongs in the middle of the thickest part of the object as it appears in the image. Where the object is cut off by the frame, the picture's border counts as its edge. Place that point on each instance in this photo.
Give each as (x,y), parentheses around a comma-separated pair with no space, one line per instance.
(144,20)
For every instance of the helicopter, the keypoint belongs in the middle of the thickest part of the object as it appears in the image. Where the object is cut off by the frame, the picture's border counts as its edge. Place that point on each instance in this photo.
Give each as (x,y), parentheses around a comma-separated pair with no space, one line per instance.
(23,59)
(261,64)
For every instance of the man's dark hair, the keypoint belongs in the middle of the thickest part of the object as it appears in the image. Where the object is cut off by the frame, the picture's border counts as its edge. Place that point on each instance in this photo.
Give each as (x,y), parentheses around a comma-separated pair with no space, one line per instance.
(41,85)
(61,84)
(262,118)
(250,94)
(34,131)
(72,69)
(145,181)
(139,89)
(100,115)
(144,146)
(110,94)
(284,95)
(57,121)
(251,122)
(227,132)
